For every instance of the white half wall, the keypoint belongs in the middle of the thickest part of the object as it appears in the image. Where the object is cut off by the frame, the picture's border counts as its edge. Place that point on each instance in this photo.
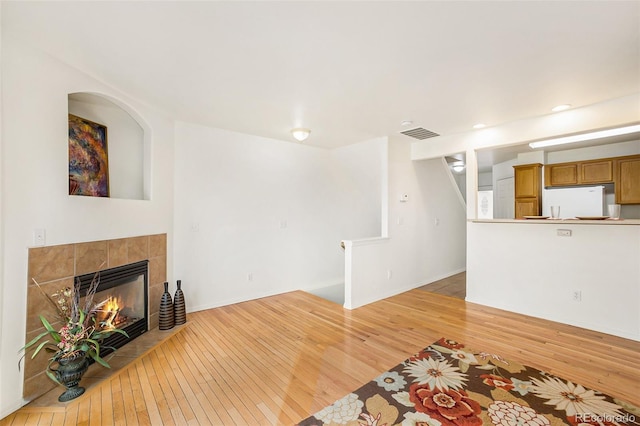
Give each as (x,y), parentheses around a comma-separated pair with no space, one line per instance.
(426,238)
(529,269)
(256,217)
(35,186)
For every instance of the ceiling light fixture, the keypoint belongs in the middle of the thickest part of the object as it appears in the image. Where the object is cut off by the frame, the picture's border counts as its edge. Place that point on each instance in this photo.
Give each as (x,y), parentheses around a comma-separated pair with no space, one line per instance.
(562,107)
(300,134)
(479,126)
(587,136)
(406,123)
(458,168)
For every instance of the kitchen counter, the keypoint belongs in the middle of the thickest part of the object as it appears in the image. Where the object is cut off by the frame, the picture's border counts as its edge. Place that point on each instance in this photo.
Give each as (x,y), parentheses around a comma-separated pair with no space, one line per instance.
(561,221)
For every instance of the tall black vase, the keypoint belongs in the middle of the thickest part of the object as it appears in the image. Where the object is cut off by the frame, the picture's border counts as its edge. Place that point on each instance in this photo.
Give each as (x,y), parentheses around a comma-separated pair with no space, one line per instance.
(179,309)
(165,314)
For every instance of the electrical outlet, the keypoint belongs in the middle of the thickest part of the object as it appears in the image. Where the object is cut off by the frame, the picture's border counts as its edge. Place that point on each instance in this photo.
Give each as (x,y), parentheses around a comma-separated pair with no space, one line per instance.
(577,296)
(250,276)
(564,232)
(388,274)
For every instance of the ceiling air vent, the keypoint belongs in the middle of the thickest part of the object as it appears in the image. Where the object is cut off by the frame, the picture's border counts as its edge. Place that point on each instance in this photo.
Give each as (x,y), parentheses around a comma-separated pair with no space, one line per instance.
(420,133)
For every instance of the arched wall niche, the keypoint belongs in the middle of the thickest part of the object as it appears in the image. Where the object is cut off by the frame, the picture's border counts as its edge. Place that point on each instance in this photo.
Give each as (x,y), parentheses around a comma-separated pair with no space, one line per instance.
(128,142)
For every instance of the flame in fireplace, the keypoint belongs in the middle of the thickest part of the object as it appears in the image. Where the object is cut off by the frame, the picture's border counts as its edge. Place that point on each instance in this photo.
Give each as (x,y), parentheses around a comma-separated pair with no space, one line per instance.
(111,310)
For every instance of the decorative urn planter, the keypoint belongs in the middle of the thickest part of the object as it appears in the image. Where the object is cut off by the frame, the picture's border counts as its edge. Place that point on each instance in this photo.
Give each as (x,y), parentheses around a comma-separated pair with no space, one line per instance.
(69,372)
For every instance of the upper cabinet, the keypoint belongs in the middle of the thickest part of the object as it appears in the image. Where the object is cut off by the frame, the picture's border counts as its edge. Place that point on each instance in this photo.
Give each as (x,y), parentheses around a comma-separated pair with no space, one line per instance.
(596,171)
(623,172)
(579,173)
(561,174)
(627,182)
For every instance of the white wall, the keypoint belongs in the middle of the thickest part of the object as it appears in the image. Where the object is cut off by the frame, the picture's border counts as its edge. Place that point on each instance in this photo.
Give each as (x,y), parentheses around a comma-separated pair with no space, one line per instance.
(426,239)
(485,181)
(528,268)
(256,216)
(35,186)
(361,170)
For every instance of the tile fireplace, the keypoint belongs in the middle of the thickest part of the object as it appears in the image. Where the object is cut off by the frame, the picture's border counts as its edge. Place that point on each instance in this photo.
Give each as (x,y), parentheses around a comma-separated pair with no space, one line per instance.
(56,267)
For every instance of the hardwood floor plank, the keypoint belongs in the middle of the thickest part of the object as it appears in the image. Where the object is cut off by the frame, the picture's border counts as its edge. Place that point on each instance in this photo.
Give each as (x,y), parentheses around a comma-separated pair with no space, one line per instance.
(83,409)
(279,359)
(33,419)
(58,419)
(163,397)
(45,419)
(95,415)
(127,397)
(117,408)
(106,415)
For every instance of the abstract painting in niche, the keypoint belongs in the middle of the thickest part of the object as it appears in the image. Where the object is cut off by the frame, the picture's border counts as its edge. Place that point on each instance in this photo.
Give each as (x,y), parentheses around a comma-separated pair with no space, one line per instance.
(88,160)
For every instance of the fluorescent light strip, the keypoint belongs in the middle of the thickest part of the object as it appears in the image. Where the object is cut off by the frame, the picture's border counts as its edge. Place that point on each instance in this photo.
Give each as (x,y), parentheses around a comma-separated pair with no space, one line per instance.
(586,136)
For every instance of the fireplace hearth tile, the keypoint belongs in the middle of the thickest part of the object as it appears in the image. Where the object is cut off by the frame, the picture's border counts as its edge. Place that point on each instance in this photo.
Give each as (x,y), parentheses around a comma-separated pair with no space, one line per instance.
(91,257)
(34,385)
(137,248)
(155,294)
(117,252)
(38,304)
(51,263)
(38,364)
(154,320)
(157,245)
(157,270)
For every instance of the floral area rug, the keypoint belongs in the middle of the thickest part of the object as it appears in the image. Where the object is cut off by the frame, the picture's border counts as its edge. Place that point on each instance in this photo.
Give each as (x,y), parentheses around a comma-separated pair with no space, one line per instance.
(450,384)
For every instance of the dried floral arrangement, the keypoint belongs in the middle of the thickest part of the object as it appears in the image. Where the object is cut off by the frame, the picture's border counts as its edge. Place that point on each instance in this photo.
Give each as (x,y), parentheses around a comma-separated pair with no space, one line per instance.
(81,332)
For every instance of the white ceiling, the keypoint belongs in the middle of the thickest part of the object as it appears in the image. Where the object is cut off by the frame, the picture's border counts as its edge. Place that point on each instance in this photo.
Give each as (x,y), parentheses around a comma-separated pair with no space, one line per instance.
(350,71)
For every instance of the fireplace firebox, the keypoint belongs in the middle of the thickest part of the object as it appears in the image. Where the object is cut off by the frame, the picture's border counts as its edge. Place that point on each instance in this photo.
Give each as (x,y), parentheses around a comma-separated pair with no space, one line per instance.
(126,290)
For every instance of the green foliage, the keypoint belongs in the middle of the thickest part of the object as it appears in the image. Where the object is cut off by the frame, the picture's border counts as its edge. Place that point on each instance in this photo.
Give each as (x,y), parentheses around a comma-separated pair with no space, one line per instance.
(79,334)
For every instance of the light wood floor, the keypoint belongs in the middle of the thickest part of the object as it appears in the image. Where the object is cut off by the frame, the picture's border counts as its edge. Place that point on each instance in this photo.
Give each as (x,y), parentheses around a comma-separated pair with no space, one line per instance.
(279,359)
(454,286)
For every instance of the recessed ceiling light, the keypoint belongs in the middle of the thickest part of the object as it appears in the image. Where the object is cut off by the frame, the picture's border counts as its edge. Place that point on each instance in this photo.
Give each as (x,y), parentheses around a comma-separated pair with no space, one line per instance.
(559,108)
(406,123)
(479,126)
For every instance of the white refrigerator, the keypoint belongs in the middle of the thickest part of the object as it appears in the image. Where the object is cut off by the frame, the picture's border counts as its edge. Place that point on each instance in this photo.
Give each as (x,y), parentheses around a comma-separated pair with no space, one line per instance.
(574,202)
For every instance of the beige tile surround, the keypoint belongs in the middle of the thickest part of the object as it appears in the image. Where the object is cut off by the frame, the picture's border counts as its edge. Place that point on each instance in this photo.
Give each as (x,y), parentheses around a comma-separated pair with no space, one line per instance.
(54,267)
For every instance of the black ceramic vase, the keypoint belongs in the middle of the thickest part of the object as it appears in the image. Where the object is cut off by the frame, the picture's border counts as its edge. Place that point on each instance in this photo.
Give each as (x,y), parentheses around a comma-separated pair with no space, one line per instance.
(69,372)
(179,309)
(165,314)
